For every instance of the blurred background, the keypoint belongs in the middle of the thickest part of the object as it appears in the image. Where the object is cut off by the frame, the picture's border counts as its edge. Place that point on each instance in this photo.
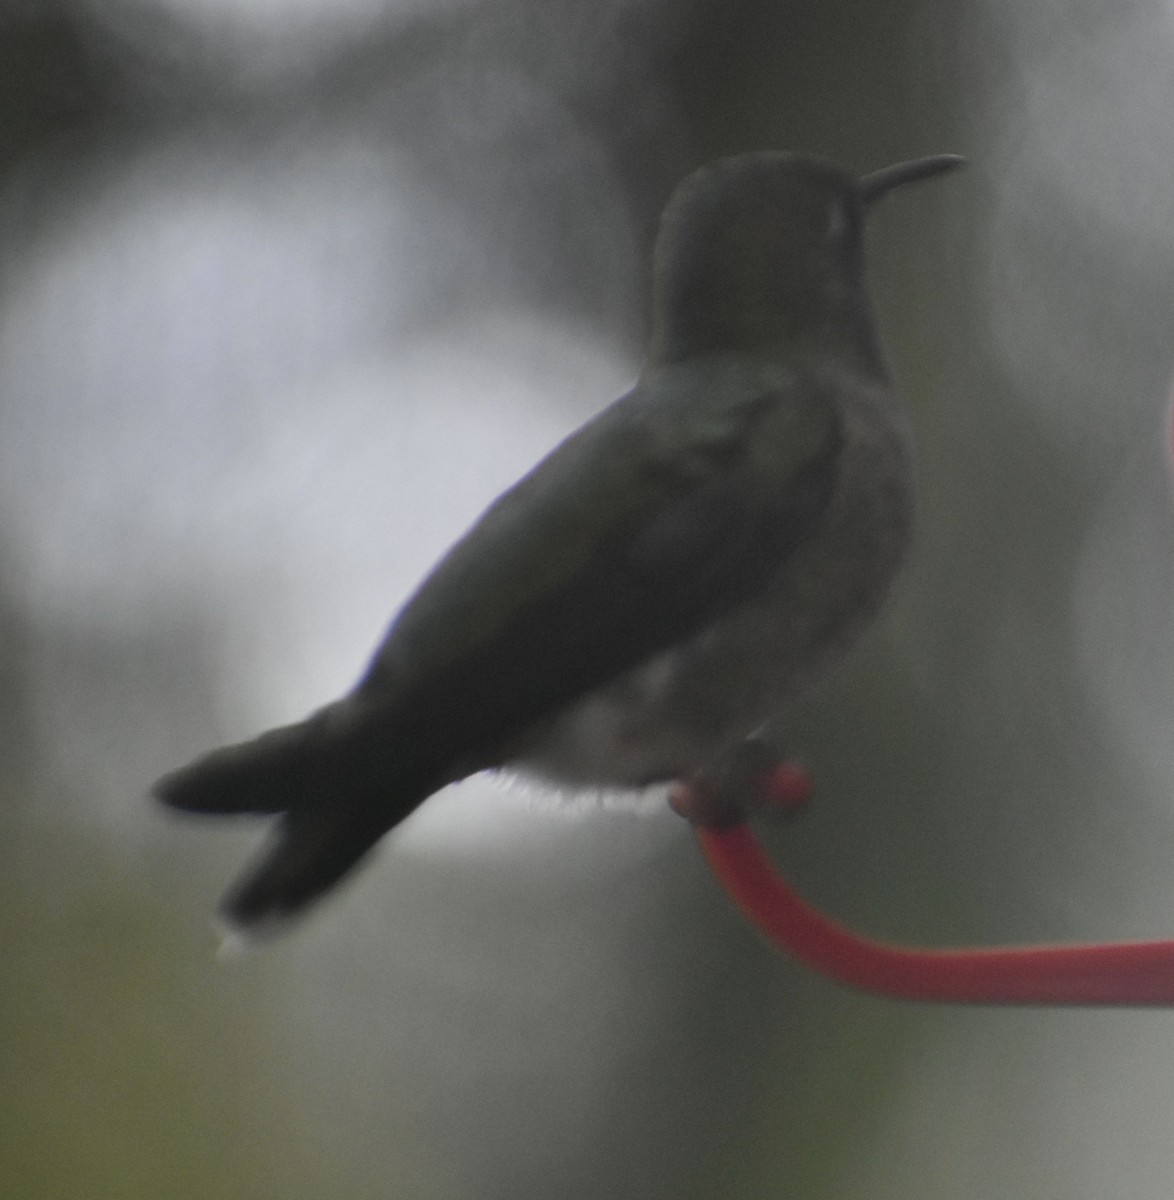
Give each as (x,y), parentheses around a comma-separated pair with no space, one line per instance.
(289,289)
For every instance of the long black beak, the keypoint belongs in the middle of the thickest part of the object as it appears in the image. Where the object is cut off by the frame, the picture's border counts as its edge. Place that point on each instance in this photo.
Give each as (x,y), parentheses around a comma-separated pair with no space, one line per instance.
(874,185)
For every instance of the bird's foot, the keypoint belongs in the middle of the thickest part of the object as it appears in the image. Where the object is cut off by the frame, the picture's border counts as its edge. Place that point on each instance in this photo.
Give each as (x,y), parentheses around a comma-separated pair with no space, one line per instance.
(751,779)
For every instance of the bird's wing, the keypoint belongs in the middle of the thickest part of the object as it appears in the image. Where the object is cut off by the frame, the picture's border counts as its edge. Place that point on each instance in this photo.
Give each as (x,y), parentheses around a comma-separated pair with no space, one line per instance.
(664,512)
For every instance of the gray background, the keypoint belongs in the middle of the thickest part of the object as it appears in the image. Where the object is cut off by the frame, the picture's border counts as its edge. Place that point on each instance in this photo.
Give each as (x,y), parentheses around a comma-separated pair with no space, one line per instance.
(288,291)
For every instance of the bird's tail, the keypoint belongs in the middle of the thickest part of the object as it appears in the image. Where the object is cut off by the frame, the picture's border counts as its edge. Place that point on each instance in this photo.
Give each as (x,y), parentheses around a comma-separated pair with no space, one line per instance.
(335,795)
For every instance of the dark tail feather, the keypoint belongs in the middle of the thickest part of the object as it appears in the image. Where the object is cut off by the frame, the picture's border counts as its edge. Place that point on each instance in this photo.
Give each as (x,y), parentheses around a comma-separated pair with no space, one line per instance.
(338,787)
(283,769)
(313,849)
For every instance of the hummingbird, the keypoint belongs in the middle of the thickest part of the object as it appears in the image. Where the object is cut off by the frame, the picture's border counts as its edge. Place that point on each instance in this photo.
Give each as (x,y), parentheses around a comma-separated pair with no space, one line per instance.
(643,603)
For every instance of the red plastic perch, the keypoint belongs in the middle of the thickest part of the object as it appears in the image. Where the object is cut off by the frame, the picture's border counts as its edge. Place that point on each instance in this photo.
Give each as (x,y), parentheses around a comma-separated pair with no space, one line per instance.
(1115,973)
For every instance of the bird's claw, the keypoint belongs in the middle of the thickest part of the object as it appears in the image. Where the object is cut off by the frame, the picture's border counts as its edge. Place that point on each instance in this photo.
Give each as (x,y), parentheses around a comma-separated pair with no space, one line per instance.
(752,778)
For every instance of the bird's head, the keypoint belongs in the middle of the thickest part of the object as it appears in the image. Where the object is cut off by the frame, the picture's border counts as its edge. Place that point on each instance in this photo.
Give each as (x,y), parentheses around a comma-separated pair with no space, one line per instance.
(764,252)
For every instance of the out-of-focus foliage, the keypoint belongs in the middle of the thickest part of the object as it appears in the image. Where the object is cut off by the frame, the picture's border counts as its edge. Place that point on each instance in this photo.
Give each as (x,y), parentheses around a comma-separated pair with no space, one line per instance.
(288,291)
